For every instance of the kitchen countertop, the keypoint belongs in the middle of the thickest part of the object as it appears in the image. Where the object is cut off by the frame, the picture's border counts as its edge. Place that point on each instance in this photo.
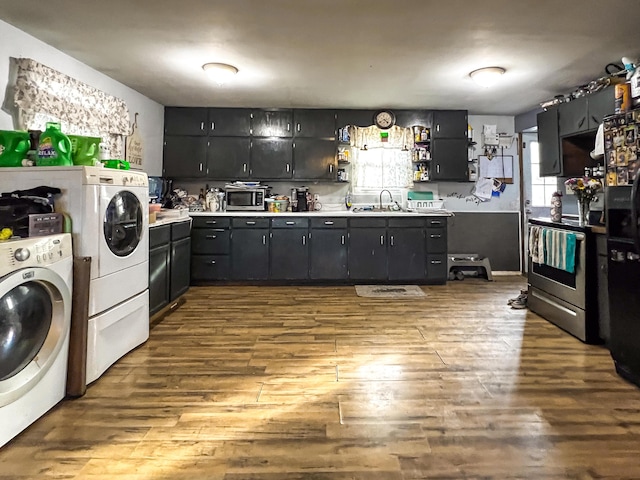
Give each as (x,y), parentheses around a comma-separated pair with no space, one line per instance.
(327,213)
(170,219)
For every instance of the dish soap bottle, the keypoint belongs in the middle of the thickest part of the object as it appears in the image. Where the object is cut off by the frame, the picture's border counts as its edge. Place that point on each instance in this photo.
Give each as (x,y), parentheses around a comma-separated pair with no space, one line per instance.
(54,148)
(347,200)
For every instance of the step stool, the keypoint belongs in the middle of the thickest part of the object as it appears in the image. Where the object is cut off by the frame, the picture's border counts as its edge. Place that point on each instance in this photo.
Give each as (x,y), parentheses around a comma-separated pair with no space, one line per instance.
(459,261)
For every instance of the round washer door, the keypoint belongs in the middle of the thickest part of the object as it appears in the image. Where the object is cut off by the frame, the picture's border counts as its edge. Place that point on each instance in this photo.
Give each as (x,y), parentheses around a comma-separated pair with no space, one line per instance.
(123,223)
(35,312)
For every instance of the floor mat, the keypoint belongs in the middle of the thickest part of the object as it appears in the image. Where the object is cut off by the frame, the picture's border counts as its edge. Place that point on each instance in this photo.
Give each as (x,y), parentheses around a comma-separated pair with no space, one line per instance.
(389,291)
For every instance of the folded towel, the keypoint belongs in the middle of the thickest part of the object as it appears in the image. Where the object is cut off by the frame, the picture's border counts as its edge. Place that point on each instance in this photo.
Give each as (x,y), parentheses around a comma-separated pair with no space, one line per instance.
(541,239)
(560,250)
(534,238)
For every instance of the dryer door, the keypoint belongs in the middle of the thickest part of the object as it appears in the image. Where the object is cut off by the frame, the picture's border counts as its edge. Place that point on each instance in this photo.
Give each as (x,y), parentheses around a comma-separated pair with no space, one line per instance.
(35,306)
(123,224)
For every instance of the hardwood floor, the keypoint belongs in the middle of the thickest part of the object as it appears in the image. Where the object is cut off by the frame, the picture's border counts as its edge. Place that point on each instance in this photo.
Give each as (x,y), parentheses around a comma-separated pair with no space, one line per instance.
(283,383)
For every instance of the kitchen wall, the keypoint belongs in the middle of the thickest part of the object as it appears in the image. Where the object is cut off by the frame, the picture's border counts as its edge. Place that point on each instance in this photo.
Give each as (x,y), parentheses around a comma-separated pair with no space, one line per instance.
(17,43)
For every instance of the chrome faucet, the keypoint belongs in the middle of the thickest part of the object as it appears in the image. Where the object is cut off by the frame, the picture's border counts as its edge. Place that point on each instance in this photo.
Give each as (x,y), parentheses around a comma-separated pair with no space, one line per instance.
(390,197)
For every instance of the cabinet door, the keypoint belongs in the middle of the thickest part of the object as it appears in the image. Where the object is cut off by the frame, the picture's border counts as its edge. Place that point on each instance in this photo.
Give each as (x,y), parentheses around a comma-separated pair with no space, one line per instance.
(407,254)
(210,267)
(210,241)
(600,105)
(449,124)
(229,122)
(328,254)
(410,118)
(359,118)
(289,254)
(180,271)
(278,123)
(437,268)
(368,253)
(437,240)
(228,157)
(158,278)
(184,157)
(572,117)
(314,123)
(549,143)
(185,121)
(449,159)
(250,254)
(314,159)
(271,158)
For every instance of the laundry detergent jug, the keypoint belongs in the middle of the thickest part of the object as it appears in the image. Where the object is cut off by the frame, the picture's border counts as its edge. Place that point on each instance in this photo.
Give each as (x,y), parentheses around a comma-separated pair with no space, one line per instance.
(85,150)
(14,146)
(54,149)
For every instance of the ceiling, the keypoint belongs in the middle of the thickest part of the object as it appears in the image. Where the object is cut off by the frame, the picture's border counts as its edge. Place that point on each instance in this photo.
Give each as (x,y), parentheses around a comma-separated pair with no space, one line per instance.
(341,53)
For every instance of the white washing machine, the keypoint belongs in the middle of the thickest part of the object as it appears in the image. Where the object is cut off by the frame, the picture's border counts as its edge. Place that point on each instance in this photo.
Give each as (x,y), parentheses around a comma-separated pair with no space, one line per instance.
(35,316)
(110,219)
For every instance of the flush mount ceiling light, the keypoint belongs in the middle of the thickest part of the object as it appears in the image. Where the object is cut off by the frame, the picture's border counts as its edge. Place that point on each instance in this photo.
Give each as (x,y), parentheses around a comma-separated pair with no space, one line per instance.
(220,72)
(488,76)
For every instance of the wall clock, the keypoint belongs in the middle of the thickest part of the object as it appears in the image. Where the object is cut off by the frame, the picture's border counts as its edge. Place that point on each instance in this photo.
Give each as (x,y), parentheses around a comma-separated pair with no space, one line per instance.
(384,119)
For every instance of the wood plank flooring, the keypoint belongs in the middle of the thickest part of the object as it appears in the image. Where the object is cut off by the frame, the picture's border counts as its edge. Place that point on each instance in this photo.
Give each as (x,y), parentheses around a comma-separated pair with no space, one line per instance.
(284,383)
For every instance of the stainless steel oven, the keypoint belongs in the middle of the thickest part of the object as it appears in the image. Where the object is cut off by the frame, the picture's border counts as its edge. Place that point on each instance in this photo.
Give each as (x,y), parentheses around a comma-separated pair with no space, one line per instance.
(562,297)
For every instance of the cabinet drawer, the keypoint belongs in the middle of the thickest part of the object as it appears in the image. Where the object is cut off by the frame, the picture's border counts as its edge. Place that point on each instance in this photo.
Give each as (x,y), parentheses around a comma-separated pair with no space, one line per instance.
(328,222)
(436,240)
(437,267)
(210,267)
(180,230)
(368,222)
(250,222)
(406,222)
(210,241)
(437,222)
(211,222)
(160,235)
(289,222)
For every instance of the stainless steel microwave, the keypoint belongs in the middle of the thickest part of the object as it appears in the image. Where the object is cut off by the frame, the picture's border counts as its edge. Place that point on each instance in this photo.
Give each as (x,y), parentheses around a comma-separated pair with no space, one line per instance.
(246,198)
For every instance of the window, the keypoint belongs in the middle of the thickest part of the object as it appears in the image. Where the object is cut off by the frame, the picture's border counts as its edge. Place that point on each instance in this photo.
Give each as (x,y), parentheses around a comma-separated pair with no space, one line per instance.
(541,187)
(378,168)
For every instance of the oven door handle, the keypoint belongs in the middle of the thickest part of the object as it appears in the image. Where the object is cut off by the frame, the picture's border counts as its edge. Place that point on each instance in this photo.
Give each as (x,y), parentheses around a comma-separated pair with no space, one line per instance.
(634,214)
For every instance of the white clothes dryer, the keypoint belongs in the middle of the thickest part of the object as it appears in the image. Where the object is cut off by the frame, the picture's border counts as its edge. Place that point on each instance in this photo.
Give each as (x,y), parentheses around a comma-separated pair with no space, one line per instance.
(110,220)
(35,317)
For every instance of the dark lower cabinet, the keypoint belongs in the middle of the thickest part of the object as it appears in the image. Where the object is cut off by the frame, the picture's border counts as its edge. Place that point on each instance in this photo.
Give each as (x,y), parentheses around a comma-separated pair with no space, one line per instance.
(407,254)
(169,262)
(250,249)
(289,254)
(367,253)
(328,254)
(180,267)
(158,278)
(210,248)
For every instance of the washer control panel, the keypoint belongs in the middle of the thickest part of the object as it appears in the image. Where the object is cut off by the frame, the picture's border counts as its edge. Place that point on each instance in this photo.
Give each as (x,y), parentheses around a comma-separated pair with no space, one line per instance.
(34,252)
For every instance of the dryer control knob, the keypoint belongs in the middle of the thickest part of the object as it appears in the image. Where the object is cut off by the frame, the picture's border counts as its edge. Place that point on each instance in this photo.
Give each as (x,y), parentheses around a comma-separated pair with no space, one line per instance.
(22,254)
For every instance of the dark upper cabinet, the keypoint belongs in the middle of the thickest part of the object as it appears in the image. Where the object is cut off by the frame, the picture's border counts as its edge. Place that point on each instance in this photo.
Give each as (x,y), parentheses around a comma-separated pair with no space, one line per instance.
(573,117)
(228,157)
(409,118)
(314,159)
(271,158)
(184,156)
(549,143)
(600,105)
(449,124)
(368,253)
(359,118)
(449,159)
(185,121)
(272,123)
(229,122)
(407,254)
(314,123)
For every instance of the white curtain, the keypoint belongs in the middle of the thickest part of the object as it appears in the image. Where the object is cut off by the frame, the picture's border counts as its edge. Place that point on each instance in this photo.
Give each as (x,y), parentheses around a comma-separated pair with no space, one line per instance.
(43,95)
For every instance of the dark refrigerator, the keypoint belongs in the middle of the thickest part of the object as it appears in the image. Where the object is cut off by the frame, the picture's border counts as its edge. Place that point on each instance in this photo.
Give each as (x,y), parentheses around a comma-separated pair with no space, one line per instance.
(623,242)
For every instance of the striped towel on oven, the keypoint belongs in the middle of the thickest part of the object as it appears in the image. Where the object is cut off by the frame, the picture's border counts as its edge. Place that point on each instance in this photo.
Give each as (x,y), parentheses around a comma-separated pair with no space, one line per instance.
(560,249)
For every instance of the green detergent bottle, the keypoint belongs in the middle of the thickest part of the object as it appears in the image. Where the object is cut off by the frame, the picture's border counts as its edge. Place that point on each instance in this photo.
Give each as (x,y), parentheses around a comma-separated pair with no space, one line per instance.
(14,146)
(54,149)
